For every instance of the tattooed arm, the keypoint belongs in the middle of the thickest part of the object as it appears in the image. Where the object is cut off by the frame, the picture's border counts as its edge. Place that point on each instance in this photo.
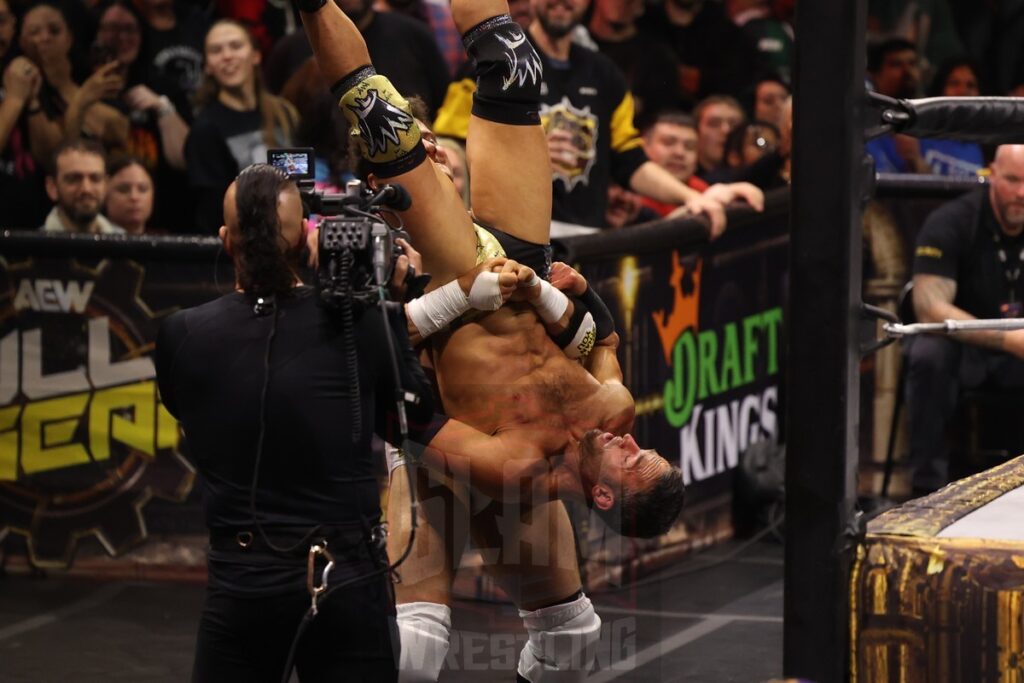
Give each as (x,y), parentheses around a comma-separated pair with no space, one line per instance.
(933,303)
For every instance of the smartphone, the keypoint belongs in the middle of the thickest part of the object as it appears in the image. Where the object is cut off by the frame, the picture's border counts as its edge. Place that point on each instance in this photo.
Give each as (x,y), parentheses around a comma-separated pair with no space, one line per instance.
(100,54)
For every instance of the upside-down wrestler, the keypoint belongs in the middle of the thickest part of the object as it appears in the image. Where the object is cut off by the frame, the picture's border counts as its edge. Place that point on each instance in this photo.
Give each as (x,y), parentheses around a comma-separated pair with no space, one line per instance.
(532,425)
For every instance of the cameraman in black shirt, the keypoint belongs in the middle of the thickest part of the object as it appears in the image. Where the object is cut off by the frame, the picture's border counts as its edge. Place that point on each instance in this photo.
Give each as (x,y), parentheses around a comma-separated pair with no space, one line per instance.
(278,414)
(967,265)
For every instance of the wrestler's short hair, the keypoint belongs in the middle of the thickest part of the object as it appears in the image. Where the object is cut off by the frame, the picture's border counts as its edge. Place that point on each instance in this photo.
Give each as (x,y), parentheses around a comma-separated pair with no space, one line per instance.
(649,513)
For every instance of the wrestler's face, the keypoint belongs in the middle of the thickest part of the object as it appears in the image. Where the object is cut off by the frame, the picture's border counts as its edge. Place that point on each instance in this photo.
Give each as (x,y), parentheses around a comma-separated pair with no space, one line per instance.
(616,465)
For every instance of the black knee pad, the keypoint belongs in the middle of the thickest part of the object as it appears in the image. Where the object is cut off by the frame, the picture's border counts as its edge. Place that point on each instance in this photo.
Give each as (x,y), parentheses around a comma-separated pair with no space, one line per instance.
(508,72)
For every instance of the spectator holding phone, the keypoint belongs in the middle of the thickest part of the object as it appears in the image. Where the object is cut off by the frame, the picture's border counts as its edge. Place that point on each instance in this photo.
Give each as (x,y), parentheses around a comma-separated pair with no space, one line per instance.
(237,122)
(157,109)
(69,109)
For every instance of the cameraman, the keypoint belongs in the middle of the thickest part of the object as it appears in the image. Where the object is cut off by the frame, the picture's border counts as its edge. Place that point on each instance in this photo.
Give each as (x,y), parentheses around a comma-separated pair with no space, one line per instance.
(278,412)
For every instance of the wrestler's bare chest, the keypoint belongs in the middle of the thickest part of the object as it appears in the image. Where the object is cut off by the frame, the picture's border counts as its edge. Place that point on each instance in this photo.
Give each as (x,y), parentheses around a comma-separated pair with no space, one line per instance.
(504,371)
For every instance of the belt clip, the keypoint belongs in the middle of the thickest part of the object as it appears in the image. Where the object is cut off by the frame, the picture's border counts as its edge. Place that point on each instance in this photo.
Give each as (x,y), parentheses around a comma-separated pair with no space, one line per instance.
(244,539)
(315,591)
(379,537)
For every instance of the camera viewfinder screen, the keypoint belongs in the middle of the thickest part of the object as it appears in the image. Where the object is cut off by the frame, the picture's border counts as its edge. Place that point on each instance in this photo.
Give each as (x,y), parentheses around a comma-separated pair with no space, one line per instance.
(295,162)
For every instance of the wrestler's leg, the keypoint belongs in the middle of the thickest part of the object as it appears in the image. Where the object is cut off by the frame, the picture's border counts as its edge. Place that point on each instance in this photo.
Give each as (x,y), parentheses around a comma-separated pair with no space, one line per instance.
(531,552)
(535,563)
(423,594)
(437,220)
(508,163)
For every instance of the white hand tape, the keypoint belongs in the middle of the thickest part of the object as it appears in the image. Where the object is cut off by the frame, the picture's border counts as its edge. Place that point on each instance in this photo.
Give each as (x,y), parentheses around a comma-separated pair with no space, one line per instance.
(485,294)
(434,310)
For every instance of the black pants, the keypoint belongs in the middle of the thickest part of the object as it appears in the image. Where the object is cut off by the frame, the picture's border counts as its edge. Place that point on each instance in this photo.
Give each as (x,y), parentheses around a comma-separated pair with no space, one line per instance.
(353,638)
(939,368)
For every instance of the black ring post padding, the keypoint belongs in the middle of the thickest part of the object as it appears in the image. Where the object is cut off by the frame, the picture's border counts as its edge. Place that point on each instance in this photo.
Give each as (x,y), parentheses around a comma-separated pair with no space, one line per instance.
(924,185)
(985,120)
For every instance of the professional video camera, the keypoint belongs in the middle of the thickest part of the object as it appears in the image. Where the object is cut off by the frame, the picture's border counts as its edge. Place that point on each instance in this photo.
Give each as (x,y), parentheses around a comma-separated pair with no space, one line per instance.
(356,246)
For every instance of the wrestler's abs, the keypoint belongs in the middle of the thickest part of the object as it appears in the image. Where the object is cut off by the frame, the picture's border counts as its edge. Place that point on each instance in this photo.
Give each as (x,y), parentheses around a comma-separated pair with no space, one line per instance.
(502,370)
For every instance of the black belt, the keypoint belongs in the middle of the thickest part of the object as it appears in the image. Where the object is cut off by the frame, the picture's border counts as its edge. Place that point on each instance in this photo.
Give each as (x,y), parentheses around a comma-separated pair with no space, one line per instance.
(339,540)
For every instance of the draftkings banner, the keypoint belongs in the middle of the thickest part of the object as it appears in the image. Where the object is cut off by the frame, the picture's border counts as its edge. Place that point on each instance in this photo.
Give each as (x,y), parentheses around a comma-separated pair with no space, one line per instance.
(702,352)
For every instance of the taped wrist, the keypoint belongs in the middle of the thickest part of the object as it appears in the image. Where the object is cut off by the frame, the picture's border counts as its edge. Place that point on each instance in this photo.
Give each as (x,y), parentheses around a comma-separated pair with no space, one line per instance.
(551,304)
(485,294)
(602,316)
(435,310)
(577,340)
(382,120)
(508,72)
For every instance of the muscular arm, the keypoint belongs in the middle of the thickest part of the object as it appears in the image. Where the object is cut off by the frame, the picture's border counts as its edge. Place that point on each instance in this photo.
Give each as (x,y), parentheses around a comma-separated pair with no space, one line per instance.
(509,465)
(603,361)
(933,303)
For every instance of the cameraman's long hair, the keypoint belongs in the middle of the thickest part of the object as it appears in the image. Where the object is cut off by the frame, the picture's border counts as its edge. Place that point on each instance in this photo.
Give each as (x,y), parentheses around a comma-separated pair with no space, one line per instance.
(264,266)
(277,115)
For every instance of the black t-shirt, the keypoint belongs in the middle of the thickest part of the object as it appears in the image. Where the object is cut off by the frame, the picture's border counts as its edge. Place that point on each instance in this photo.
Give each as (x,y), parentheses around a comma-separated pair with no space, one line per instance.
(957,241)
(177,53)
(588,96)
(400,48)
(221,142)
(210,369)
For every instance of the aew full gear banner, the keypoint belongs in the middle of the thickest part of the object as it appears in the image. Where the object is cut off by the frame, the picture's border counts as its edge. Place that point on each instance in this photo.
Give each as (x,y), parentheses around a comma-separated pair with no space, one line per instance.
(85,444)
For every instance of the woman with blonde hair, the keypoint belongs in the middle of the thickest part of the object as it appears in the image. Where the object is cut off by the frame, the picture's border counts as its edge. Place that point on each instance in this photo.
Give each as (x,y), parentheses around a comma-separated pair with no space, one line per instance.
(237,120)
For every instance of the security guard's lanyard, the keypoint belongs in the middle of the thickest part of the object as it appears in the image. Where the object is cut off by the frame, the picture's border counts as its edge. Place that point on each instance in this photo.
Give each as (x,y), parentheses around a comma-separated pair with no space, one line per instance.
(1012,272)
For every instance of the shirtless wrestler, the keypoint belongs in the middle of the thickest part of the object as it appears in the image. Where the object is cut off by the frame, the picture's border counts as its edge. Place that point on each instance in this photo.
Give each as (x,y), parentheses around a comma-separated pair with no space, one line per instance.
(542,426)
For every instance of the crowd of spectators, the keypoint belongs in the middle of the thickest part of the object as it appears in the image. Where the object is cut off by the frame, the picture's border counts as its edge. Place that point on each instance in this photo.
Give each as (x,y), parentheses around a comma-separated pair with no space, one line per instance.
(177,96)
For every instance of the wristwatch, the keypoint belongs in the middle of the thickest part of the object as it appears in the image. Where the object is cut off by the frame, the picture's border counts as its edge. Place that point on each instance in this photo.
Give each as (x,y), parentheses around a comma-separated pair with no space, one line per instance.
(165,107)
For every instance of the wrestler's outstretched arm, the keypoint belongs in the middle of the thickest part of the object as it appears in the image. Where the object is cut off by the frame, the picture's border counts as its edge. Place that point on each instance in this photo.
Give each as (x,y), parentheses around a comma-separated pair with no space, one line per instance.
(390,141)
